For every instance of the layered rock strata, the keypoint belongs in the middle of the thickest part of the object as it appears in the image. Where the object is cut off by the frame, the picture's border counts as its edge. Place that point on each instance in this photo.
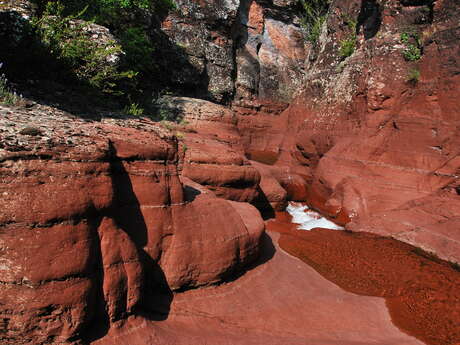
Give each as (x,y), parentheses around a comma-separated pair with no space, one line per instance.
(373,134)
(94,225)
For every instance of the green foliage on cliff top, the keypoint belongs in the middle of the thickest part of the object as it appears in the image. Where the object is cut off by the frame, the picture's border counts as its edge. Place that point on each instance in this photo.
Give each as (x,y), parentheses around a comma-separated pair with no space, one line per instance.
(71,44)
(115,67)
(347,47)
(110,11)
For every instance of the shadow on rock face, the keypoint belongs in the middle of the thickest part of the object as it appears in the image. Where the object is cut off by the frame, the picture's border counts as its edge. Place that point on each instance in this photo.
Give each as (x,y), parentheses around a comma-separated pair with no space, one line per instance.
(190,193)
(127,209)
(98,326)
(263,205)
(156,296)
(175,70)
(267,251)
(370,18)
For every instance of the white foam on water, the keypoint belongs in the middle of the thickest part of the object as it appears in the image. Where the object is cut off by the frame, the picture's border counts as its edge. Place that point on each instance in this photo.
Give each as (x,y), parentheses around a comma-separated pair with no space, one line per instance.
(308,219)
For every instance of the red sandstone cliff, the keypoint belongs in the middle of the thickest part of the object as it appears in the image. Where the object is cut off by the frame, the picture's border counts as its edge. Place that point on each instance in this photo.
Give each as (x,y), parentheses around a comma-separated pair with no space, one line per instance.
(101,221)
(94,224)
(378,148)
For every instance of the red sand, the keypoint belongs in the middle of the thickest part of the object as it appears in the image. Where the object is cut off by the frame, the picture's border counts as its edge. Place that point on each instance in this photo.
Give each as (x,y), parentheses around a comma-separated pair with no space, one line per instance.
(422,293)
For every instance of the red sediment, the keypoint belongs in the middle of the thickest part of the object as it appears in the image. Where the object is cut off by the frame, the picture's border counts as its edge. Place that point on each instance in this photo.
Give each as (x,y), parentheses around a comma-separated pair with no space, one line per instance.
(422,292)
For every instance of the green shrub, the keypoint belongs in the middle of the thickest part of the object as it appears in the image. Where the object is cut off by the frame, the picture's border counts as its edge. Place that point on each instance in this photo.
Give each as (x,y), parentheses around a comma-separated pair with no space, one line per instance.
(350,22)
(90,61)
(121,67)
(7,95)
(413,45)
(165,114)
(110,11)
(145,4)
(347,47)
(413,76)
(348,44)
(313,17)
(412,53)
(405,37)
(138,48)
(134,109)
(315,30)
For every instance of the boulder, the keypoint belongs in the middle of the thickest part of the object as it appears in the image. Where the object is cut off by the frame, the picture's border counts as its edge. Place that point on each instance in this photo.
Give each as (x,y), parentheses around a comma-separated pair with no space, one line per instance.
(95,225)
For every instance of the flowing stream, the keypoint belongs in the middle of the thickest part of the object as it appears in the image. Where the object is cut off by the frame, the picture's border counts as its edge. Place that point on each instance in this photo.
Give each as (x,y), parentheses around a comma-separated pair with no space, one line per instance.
(309,219)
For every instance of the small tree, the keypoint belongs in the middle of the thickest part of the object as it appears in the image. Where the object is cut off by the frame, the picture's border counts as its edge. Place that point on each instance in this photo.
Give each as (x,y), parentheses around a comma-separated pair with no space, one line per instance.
(313,16)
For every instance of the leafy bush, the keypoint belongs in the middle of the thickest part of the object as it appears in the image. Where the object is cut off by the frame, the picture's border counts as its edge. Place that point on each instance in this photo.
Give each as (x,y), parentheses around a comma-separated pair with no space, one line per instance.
(134,109)
(109,12)
(413,76)
(7,95)
(164,114)
(118,67)
(313,17)
(348,45)
(413,45)
(138,48)
(412,53)
(69,41)
(126,3)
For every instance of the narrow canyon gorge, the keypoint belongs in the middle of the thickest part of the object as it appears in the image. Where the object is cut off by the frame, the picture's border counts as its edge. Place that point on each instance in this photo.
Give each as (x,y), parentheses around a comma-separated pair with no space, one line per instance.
(295,179)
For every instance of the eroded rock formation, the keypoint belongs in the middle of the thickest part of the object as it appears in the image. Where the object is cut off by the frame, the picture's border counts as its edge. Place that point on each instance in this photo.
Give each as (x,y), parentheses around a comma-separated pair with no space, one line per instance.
(245,50)
(94,223)
(393,145)
(374,134)
(105,220)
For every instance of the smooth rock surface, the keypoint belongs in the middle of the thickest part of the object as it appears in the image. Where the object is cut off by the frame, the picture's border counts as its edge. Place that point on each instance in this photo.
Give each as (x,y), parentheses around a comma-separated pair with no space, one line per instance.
(282,301)
(95,222)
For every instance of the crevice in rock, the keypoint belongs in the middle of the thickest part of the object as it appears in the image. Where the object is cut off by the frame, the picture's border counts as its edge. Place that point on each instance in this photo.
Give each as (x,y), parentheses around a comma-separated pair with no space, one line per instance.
(369,18)
(242,58)
(426,14)
(98,323)
(155,295)
(417,2)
